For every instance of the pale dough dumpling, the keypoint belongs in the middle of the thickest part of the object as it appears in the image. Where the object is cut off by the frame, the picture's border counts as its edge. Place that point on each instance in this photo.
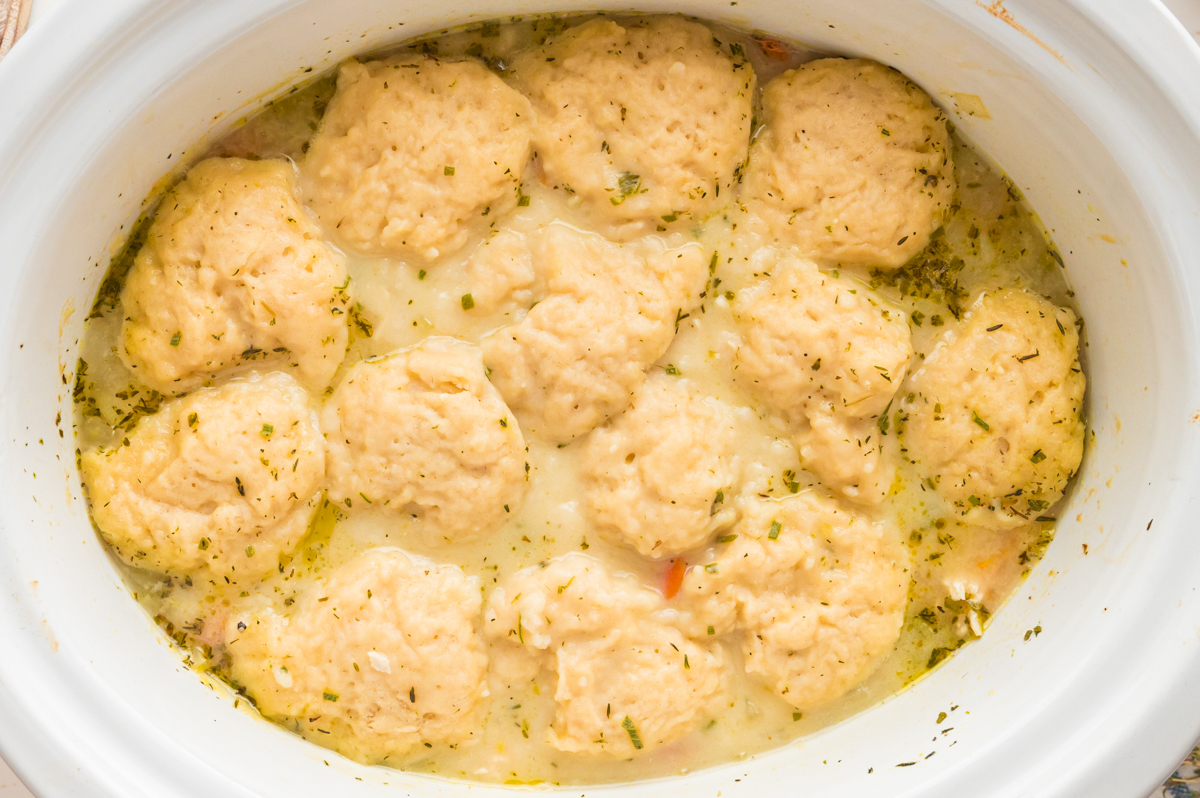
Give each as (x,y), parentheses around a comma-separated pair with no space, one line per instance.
(422,431)
(652,475)
(500,274)
(380,658)
(224,480)
(628,679)
(233,272)
(415,155)
(641,121)
(853,165)
(609,312)
(814,592)
(828,354)
(995,412)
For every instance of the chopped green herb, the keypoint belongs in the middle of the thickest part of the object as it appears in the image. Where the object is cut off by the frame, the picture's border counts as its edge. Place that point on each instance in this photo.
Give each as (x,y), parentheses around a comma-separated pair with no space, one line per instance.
(1037,457)
(193,420)
(267,430)
(776,527)
(204,543)
(249,551)
(448,171)
(176,338)
(797,715)
(726,538)
(712,630)
(975,417)
(711,568)
(421,274)
(468,301)
(634,738)
(328,696)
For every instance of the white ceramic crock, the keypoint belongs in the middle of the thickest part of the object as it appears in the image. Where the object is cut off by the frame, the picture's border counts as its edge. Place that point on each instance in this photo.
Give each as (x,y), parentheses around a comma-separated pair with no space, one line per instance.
(1095,113)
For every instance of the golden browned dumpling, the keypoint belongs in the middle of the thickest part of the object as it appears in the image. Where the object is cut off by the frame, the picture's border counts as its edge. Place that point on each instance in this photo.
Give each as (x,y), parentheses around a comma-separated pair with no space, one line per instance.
(995,415)
(628,679)
(415,155)
(608,313)
(641,120)
(853,165)
(422,431)
(814,593)
(382,656)
(222,481)
(828,354)
(652,475)
(233,273)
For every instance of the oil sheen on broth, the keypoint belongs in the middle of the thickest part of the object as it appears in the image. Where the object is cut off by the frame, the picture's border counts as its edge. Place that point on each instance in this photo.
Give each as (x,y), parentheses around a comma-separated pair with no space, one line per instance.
(966,557)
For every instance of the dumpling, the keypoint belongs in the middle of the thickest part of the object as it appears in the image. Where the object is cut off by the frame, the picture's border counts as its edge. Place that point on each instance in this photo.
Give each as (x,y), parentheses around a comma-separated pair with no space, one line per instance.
(829,355)
(415,155)
(500,274)
(645,121)
(813,592)
(223,480)
(422,431)
(852,166)
(995,413)
(628,679)
(233,273)
(655,477)
(608,313)
(381,657)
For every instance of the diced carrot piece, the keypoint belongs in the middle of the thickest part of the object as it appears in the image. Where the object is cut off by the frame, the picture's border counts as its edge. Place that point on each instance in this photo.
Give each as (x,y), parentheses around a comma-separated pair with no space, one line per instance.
(674,577)
(775,49)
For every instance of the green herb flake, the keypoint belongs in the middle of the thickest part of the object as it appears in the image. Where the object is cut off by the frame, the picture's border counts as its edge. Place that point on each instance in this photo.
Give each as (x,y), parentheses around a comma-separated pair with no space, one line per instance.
(204,544)
(328,696)
(712,630)
(421,274)
(726,538)
(1037,457)
(249,551)
(176,338)
(634,737)
(797,716)
(975,417)
(448,171)
(193,420)
(672,370)
(884,131)
(776,527)
(266,431)
(711,568)
(670,217)
(686,665)
(468,301)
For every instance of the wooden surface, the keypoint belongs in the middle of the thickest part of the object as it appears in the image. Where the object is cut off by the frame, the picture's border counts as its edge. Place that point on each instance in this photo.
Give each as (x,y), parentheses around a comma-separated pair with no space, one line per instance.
(15,14)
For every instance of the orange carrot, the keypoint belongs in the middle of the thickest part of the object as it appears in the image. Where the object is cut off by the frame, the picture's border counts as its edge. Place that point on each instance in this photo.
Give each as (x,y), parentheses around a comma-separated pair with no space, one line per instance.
(775,49)
(674,577)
